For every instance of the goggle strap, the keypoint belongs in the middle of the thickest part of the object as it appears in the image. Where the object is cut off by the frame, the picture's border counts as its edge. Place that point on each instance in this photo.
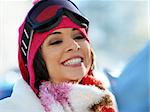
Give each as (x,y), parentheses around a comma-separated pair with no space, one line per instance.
(72,17)
(26,41)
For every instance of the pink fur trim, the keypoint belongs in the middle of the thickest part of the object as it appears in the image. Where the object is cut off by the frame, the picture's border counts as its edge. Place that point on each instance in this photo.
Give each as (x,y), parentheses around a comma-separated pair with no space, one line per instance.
(51,93)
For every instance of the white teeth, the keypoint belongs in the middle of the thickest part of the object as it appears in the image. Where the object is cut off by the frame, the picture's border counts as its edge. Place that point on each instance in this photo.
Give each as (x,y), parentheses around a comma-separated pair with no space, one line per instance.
(73,61)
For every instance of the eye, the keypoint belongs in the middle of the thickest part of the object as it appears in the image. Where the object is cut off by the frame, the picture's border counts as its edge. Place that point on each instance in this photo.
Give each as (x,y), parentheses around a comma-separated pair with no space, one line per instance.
(55,42)
(79,37)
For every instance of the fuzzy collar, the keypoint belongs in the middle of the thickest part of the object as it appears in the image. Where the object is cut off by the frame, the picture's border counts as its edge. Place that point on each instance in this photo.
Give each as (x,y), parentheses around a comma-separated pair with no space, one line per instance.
(66,97)
(54,98)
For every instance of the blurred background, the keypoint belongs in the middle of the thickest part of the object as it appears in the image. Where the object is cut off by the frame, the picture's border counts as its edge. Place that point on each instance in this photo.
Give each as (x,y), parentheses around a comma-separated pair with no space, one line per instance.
(119,29)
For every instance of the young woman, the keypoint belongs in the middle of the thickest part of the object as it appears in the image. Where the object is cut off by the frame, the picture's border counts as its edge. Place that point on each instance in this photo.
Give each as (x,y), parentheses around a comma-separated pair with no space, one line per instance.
(56,60)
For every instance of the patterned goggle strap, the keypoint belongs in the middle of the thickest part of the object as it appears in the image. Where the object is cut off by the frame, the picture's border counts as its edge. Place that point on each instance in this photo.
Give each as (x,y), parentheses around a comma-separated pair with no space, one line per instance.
(26,41)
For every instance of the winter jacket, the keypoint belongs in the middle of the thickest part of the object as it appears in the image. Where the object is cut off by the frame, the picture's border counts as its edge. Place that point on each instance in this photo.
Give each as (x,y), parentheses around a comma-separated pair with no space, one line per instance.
(58,98)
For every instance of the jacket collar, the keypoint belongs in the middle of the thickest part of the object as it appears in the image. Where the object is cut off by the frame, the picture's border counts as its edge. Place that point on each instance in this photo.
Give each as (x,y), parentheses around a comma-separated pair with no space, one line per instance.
(23,99)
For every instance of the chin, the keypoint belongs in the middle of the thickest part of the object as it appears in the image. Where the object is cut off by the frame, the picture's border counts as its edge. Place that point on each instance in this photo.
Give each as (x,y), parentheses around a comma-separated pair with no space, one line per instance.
(77,77)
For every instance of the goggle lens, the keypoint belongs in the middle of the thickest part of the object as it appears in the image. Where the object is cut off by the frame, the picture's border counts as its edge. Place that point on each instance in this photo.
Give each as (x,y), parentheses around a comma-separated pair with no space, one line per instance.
(46,11)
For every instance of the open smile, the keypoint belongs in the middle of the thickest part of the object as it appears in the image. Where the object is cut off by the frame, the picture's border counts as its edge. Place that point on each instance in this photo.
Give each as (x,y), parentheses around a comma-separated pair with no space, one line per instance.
(73,62)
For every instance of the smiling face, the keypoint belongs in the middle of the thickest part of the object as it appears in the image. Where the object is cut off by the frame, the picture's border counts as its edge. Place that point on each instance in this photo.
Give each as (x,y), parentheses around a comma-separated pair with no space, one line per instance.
(67,55)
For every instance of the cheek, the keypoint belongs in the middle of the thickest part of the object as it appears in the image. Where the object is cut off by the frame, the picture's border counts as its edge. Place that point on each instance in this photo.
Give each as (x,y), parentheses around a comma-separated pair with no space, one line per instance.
(51,57)
(87,53)
(52,61)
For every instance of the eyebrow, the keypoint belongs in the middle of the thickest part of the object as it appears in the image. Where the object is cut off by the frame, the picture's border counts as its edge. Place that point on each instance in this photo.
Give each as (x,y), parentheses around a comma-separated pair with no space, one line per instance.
(55,33)
(74,29)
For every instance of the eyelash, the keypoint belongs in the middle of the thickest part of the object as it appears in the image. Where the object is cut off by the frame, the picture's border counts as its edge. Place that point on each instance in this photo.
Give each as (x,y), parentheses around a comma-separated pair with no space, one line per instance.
(60,41)
(79,37)
(56,42)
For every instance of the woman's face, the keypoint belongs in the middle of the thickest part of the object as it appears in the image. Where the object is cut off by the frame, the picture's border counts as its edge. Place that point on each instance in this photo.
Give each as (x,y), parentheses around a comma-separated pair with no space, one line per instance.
(67,55)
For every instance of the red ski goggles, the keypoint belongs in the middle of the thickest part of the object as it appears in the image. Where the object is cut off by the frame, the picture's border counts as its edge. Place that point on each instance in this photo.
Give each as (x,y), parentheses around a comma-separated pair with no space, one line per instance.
(46,15)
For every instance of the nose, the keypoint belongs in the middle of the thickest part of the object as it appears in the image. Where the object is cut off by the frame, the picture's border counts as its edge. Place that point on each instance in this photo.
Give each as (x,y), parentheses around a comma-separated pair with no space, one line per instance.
(72,45)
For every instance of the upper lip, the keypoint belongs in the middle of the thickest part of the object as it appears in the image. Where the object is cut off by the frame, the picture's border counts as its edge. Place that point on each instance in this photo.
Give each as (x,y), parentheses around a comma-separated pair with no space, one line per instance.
(73,57)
